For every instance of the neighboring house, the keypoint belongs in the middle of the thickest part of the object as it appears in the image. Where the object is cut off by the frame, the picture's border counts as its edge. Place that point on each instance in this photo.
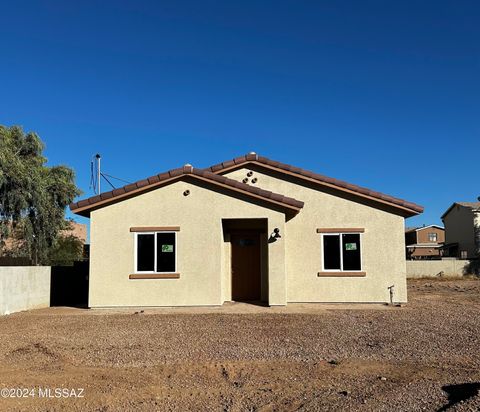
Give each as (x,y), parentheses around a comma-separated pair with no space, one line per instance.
(249,229)
(462,230)
(424,242)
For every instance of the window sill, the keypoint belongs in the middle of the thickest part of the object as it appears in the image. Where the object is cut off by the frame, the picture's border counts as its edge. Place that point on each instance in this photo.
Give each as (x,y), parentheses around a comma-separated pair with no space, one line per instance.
(155,276)
(342,274)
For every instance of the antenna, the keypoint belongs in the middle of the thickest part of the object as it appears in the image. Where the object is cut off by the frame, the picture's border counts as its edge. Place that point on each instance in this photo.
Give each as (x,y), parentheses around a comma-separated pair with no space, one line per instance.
(98,157)
(96,175)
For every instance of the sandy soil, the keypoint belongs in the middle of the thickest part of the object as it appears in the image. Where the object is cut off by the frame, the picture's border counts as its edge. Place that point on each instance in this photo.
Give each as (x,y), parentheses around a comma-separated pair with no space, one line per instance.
(424,356)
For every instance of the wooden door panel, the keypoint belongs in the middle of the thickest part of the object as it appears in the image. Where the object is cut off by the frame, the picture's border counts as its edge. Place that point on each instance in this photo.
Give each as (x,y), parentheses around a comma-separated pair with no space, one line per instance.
(245,266)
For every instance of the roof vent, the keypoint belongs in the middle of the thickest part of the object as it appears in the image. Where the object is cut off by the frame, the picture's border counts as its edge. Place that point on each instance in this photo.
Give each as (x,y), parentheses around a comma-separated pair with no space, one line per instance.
(251,156)
(187,168)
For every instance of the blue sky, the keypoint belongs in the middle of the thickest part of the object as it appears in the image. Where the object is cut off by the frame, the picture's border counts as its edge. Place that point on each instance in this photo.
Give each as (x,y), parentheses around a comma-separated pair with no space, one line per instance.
(384,94)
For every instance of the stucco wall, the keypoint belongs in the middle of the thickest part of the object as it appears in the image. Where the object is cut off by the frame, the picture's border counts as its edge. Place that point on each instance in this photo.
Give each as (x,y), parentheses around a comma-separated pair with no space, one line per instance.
(202,256)
(383,244)
(23,288)
(438,268)
(459,229)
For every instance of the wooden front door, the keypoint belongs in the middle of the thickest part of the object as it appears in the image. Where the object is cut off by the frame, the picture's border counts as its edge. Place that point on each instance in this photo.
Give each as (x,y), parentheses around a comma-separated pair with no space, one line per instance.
(246,279)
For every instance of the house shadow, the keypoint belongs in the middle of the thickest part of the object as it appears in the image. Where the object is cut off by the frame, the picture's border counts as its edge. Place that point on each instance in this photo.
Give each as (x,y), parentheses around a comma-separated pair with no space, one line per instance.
(69,285)
(473,268)
(458,393)
(256,303)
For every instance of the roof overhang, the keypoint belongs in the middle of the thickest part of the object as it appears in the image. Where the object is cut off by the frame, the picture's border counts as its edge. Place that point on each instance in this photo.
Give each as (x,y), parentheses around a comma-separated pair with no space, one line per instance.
(425,246)
(84,207)
(429,226)
(404,207)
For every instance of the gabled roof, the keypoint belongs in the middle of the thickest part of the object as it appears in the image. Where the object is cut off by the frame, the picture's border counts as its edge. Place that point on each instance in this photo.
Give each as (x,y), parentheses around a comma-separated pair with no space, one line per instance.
(407,208)
(469,205)
(416,229)
(84,207)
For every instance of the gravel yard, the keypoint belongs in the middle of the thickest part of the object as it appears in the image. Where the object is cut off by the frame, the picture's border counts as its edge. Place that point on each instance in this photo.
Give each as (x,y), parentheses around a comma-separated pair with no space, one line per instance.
(424,356)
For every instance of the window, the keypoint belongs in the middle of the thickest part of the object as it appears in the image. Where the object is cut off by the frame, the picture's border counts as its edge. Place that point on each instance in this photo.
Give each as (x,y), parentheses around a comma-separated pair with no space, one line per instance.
(432,237)
(156,252)
(341,252)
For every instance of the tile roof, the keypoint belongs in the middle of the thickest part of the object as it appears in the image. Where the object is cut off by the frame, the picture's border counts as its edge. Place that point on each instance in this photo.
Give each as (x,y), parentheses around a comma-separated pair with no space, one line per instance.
(252,157)
(83,207)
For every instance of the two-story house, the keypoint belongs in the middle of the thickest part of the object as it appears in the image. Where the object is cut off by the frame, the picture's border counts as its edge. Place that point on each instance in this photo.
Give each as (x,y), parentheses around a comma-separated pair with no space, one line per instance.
(462,230)
(424,242)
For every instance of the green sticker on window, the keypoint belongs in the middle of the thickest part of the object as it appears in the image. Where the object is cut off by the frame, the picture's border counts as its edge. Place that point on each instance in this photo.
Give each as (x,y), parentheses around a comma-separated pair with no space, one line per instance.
(167,248)
(350,246)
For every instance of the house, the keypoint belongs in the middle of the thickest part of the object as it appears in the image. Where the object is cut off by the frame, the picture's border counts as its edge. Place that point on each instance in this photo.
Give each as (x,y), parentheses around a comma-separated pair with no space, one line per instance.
(248,229)
(424,242)
(462,230)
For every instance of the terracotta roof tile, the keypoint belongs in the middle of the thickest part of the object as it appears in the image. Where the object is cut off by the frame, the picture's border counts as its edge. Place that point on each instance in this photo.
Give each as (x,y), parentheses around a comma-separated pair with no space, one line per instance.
(142,183)
(106,195)
(82,203)
(119,191)
(228,163)
(414,208)
(176,172)
(130,187)
(163,176)
(154,181)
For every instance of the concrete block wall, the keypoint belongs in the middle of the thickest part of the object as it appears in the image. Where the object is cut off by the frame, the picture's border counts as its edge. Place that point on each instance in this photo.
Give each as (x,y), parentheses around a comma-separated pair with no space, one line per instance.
(452,268)
(23,288)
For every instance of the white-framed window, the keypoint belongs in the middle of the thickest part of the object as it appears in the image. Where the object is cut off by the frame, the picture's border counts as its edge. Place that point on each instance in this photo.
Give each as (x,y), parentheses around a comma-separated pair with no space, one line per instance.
(432,237)
(156,252)
(341,252)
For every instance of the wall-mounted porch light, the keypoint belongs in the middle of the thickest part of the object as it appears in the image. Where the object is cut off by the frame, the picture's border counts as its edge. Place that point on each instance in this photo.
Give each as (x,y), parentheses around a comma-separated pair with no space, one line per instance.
(275,234)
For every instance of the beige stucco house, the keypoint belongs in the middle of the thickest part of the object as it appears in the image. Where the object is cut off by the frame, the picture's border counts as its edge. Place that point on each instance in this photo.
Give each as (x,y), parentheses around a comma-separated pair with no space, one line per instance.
(462,230)
(249,229)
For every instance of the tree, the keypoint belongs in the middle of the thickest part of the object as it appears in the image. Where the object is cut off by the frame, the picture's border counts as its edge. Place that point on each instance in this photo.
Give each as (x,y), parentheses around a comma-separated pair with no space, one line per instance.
(33,196)
(66,250)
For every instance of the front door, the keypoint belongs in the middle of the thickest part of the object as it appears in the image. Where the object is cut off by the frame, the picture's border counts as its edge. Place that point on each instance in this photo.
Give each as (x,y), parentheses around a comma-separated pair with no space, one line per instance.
(246,278)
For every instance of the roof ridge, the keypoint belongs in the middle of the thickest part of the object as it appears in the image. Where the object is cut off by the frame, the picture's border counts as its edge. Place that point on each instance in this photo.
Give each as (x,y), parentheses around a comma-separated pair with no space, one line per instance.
(151,182)
(471,205)
(306,174)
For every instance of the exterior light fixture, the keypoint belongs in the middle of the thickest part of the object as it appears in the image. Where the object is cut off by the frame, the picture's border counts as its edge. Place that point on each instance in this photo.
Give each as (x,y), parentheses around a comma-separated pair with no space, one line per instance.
(275,234)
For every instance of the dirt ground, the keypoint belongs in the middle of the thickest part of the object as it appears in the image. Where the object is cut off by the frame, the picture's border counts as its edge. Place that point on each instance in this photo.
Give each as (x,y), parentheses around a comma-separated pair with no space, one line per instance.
(424,356)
